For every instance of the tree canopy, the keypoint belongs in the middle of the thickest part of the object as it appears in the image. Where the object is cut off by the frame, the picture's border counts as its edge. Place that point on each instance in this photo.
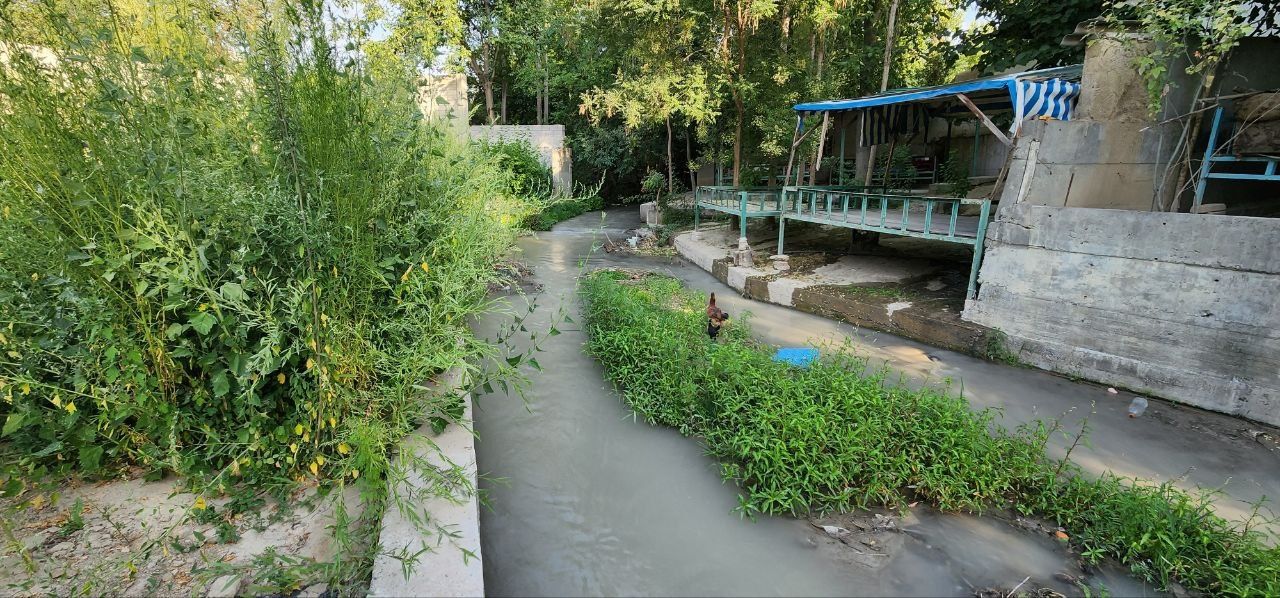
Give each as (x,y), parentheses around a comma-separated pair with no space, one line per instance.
(684,83)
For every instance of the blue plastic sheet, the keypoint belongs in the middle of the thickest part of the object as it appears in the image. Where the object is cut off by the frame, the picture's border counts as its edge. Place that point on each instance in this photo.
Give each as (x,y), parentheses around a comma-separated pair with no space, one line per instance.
(797,356)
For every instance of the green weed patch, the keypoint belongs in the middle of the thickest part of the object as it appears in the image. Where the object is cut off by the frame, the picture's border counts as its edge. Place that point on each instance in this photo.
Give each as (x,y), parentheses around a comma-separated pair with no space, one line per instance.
(835,437)
(558,210)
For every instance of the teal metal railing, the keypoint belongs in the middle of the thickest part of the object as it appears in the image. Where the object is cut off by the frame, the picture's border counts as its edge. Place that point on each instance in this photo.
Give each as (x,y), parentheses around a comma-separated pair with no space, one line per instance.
(936,218)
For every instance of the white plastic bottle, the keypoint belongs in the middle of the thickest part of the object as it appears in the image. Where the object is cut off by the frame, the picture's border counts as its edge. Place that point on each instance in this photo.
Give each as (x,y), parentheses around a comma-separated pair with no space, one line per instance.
(1137,406)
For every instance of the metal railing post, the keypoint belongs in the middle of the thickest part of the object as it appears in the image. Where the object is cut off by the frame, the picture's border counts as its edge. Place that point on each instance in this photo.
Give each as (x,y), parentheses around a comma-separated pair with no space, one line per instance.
(978,245)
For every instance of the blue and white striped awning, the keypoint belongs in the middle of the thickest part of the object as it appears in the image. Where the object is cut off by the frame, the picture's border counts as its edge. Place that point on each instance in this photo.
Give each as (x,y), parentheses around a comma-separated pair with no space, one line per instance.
(1031,94)
(1053,98)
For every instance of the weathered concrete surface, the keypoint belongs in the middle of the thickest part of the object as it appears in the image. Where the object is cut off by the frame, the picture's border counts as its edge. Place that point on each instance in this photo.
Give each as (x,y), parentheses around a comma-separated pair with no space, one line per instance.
(1182,306)
(823,291)
(442,568)
(1109,154)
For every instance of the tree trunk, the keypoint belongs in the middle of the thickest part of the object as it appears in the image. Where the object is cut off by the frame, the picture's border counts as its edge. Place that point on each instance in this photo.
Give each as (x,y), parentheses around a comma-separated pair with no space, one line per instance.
(688,158)
(488,99)
(546,96)
(504,102)
(884,74)
(737,137)
(671,162)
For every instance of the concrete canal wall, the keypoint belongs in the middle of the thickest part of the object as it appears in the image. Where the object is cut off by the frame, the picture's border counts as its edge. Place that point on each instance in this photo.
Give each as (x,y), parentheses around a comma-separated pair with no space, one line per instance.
(444,550)
(1181,306)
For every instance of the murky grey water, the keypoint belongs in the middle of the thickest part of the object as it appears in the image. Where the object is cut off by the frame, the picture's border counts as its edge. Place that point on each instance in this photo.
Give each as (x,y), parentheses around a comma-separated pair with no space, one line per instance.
(583,500)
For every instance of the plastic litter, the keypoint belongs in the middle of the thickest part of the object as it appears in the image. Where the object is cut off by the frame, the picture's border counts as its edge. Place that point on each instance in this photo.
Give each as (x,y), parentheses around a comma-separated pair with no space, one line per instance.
(1137,406)
(797,356)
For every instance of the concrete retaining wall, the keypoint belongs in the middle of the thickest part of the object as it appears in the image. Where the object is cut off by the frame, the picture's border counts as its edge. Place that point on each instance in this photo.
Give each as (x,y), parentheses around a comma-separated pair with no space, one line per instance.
(441,566)
(1181,306)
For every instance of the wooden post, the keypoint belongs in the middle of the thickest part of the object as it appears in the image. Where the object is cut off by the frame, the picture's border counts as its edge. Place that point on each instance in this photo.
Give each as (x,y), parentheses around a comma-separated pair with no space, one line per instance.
(964,99)
(888,164)
(791,159)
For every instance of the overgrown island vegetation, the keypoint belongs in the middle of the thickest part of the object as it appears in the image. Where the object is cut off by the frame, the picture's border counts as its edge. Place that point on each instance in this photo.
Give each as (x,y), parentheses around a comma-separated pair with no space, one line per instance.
(836,436)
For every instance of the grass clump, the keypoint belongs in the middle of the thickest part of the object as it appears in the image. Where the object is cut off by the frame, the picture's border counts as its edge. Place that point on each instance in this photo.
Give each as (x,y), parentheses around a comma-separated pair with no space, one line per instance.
(835,436)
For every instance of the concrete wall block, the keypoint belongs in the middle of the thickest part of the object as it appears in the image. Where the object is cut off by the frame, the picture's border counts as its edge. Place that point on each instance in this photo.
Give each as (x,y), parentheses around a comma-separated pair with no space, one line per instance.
(1181,306)
(1212,241)
(1112,186)
(1206,298)
(1150,356)
(1098,142)
(1049,184)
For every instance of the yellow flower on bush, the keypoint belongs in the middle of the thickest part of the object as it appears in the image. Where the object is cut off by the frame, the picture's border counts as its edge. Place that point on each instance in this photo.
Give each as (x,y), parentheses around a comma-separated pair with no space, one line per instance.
(320,459)
(310,363)
(297,429)
(199,505)
(293,448)
(315,468)
(280,377)
(56,400)
(71,407)
(424,267)
(344,448)
(26,388)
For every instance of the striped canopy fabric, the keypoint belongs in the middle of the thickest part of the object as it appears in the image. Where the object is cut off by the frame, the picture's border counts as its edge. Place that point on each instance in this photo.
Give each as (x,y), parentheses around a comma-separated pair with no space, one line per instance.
(884,122)
(1048,92)
(1053,98)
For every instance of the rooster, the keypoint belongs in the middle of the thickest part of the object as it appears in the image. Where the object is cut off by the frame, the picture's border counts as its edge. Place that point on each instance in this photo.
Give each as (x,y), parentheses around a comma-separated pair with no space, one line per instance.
(716,318)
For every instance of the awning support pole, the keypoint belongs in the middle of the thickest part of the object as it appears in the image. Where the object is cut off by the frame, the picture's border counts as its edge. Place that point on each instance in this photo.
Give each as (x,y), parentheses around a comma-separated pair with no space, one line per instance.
(794,142)
(964,99)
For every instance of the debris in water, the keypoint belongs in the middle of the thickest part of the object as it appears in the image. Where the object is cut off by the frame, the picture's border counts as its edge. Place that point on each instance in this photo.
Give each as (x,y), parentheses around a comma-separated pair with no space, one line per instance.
(1137,406)
(1113,391)
(1061,535)
(832,530)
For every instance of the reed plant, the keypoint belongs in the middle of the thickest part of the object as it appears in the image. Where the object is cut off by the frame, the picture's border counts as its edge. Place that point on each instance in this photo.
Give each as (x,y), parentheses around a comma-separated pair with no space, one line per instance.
(838,435)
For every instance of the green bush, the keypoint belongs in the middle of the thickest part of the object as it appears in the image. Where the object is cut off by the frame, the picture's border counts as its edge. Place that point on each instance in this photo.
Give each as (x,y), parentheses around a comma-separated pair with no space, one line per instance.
(835,437)
(226,264)
(955,173)
(557,210)
(529,177)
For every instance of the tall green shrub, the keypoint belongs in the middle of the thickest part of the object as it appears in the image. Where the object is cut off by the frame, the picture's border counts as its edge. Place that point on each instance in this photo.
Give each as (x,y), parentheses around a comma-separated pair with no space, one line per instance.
(229,245)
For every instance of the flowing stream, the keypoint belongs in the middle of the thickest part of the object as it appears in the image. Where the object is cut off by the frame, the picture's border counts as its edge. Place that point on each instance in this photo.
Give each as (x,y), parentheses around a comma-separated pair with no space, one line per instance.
(585,500)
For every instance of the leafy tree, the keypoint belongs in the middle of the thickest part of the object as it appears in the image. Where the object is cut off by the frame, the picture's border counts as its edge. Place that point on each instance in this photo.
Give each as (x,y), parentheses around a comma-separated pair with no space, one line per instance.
(1023,31)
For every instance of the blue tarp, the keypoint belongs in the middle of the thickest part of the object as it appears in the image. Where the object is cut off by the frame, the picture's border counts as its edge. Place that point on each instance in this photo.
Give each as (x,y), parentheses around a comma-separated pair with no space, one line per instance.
(1000,82)
(797,356)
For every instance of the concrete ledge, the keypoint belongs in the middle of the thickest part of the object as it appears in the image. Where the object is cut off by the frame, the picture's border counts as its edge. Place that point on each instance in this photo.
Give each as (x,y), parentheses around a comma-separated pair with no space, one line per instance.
(441,568)
(940,328)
